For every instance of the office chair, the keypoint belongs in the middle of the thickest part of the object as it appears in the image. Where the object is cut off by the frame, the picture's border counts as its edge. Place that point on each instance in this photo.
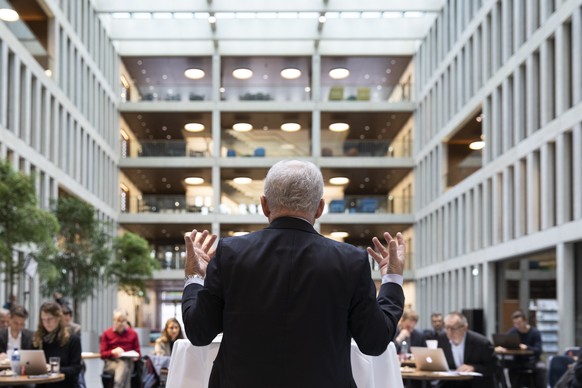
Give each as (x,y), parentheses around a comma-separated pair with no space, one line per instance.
(557,366)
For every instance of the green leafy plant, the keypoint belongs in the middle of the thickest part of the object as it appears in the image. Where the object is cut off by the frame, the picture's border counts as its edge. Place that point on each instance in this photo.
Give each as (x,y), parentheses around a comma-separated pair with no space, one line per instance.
(23,224)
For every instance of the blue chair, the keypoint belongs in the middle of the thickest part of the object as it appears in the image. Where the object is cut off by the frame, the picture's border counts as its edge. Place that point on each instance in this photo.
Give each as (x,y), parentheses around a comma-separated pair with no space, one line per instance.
(557,366)
(337,206)
(230,153)
(368,205)
(260,151)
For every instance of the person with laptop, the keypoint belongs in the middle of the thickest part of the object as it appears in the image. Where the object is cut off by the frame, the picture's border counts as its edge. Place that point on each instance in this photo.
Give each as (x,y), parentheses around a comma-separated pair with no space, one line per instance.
(407,335)
(529,339)
(54,338)
(467,351)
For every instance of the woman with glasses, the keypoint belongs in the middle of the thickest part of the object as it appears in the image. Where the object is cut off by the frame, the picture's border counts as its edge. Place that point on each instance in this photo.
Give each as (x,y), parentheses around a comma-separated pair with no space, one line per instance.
(54,338)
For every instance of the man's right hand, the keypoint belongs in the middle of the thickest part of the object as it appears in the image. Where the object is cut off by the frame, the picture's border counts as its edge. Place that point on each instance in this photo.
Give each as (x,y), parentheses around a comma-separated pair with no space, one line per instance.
(199,252)
(389,258)
(117,352)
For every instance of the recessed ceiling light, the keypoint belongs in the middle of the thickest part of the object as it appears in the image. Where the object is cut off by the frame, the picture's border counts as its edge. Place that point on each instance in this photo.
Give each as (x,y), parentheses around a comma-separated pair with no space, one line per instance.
(239,233)
(339,234)
(194,127)
(290,127)
(242,127)
(477,145)
(194,180)
(242,180)
(339,127)
(339,73)
(291,73)
(287,146)
(339,180)
(8,15)
(242,73)
(194,73)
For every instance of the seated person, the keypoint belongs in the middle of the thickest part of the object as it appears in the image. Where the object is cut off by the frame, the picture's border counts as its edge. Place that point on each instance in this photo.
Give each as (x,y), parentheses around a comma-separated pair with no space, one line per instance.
(15,336)
(4,318)
(407,332)
(467,351)
(54,338)
(116,340)
(75,328)
(529,339)
(437,323)
(171,333)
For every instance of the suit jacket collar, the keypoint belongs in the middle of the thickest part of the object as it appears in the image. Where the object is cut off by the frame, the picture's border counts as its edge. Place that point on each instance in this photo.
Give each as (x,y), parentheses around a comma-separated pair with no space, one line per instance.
(292,223)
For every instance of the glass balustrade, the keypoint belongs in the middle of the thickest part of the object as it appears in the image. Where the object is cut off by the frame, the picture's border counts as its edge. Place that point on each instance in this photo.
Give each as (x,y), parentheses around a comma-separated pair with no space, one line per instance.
(366,148)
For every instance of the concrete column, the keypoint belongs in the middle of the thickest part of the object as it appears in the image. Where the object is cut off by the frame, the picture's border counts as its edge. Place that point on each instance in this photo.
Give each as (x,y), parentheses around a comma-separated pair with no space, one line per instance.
(533,193)
(565,291)
(577,171)
(548,181)
(563,178)
(532,95)
(576,64)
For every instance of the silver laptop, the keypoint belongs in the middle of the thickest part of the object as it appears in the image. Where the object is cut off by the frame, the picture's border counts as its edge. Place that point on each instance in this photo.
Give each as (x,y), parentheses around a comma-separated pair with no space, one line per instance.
(426,359)
(34,362)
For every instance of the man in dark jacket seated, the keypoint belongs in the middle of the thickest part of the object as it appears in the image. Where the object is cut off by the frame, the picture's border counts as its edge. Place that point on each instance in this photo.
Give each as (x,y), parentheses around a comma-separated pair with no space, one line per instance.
(467,351)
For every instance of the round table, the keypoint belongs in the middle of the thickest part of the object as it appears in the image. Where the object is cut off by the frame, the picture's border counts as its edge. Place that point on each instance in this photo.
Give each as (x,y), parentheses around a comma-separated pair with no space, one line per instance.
(25,380)
(426,376)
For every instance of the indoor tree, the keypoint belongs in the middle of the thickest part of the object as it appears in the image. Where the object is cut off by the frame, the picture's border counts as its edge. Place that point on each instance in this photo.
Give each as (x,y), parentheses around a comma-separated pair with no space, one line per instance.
(133,264)
(84,252)
(23,224)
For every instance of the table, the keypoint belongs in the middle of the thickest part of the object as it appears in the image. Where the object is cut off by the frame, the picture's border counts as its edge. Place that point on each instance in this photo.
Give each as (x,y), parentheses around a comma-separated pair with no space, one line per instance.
(426,376)
(89,355)
(25,380)
(190,366)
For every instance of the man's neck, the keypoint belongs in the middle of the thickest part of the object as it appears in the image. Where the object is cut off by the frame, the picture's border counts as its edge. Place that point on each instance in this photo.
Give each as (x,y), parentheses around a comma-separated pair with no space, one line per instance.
(12,334)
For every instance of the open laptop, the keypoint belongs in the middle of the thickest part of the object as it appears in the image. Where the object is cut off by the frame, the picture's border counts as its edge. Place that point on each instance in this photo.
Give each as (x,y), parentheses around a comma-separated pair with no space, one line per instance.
(34,361)
(508,341)
(426,359)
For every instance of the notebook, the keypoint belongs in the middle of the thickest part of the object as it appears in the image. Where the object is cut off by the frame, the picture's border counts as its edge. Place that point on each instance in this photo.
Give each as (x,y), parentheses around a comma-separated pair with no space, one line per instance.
(34,361)
(429,359)
(508,341)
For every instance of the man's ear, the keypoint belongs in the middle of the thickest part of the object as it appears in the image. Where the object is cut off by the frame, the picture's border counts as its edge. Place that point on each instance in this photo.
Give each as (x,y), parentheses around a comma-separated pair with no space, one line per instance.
(265,206)
(320,208)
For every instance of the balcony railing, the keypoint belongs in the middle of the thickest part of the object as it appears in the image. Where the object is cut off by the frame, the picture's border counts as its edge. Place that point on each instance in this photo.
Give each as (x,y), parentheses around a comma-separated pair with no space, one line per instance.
(392,93)
(366,148)
(351,204)
(370,204)
(168,204)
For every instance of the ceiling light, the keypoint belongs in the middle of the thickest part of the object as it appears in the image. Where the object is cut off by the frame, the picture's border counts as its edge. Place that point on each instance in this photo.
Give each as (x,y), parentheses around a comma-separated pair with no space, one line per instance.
(339,180)
(339,234)
(8,15)
(242,127)
(477,145)
(322,19)
(239,233)
(339,127)
(339,73)
(48,72)
(242,180)
(290,127)
(194,73)
(194,180)
(242,73)
(194,127)
(212,19)
(287,146)
(291,73)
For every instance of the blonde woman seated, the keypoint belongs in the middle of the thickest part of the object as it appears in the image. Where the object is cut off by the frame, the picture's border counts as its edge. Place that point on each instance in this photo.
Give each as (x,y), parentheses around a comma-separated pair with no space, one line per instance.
(55,339)
(171,333)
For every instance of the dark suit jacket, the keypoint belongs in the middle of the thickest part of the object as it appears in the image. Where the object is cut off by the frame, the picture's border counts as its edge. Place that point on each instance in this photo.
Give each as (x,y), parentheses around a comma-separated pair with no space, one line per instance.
(288,302)
(26,341)
(479,353)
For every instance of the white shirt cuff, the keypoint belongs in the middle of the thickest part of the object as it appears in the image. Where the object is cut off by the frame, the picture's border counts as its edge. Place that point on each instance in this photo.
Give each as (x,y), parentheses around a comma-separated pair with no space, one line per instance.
(197,280)
(393,278)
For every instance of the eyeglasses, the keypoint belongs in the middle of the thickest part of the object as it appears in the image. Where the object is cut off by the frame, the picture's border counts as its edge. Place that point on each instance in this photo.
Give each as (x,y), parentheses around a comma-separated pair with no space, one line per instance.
(454,328)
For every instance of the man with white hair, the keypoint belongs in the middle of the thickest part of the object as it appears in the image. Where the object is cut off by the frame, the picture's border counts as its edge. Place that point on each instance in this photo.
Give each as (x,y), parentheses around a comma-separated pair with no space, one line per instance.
(288,300)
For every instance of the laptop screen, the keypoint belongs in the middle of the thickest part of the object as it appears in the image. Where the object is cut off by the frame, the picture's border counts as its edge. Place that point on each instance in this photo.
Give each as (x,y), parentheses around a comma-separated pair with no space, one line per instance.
(429,359)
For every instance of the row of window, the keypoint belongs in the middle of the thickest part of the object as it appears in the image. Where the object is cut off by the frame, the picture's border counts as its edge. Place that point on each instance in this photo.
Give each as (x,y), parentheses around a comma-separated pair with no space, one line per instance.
(535,193)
